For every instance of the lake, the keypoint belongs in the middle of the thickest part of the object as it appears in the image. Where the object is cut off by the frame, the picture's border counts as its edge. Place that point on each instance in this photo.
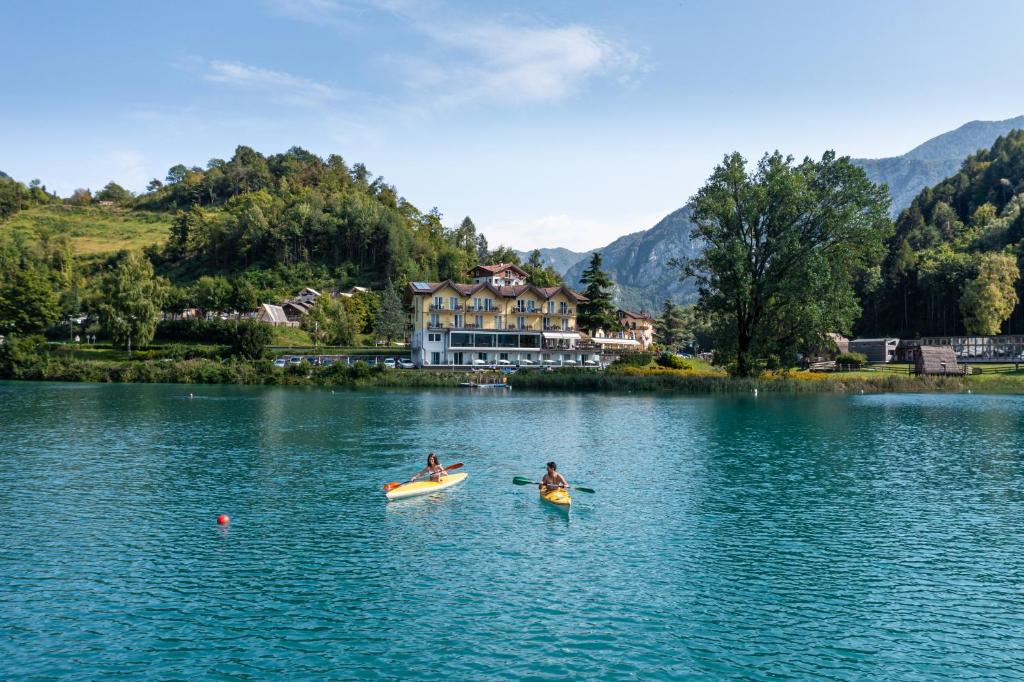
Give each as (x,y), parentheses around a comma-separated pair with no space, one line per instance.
(841,537)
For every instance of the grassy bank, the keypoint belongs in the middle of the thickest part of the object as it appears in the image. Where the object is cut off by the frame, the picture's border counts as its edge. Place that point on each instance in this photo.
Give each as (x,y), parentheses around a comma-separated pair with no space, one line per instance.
(93,230)
(29,359)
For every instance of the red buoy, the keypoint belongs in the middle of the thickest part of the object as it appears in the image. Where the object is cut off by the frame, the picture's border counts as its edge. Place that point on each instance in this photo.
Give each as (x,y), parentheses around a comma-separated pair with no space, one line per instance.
(223,519)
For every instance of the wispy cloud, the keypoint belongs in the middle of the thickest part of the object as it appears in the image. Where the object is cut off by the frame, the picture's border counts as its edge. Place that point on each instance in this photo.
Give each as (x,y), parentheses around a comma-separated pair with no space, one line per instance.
(281,85)
(489,60)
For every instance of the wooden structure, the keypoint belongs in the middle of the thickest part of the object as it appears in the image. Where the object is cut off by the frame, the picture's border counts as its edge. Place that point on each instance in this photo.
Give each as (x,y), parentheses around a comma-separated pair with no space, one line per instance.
(936,360)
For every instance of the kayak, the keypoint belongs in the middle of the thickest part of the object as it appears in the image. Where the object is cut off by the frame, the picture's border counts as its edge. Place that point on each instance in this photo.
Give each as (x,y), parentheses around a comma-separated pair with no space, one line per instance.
(425,487)
(559,497)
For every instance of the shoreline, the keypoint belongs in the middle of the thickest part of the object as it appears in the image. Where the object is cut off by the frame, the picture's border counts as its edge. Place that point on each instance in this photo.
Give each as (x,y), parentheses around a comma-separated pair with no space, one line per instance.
(51,368)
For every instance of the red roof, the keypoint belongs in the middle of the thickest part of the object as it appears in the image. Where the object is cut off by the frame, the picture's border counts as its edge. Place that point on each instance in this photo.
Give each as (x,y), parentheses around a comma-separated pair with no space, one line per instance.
(500,267)
(506,292)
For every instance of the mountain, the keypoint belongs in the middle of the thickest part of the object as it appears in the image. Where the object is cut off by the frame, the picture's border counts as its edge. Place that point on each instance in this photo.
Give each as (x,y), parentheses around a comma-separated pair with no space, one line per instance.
(559,258)
(933,161)
(4,176)
(638,263)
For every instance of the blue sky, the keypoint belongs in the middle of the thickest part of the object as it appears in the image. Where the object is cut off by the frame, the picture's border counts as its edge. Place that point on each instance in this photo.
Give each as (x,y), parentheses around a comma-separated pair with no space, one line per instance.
(551,124)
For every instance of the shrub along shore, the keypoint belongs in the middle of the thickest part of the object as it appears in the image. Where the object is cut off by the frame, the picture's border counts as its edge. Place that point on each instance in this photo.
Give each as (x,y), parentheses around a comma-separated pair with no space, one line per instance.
(32,359)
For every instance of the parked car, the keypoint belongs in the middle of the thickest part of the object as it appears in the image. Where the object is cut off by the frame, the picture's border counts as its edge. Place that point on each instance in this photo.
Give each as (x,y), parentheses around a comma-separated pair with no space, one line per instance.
(327,362)
(390,363)
(280,362)
(295,360)
(406,364)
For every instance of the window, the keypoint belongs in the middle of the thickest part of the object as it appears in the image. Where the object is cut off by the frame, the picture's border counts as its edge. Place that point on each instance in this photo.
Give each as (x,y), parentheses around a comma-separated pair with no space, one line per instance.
(453,302)
(438,303)
(457,358)
(482,356)
(508,340)
(565,324)
(503,356)
(499,321)
(547,322)
(459,320)
(477,303)
(521,306)
(434,338)
(487,304)
(563,308)
(530,306)
(435,320)
(551,307)
(529,340)
(484,340)
(435,358)
(478,321)
(521,322)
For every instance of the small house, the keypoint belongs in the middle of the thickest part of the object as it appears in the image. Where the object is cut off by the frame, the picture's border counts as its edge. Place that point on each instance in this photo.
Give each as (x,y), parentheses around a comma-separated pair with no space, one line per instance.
(274,315)
(936,360)
(875,350)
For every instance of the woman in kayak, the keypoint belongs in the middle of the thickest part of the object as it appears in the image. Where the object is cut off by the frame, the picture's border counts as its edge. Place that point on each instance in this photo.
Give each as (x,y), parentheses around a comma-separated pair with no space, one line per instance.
(433,468)
(553,479)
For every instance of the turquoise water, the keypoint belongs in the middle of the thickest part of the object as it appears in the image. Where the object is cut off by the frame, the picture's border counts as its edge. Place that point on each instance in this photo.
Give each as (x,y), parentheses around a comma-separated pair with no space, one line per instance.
(828,537)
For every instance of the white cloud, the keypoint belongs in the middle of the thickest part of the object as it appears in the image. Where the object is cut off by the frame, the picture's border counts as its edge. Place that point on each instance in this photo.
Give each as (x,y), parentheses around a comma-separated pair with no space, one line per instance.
(283,86)
(482,60)
(518,64)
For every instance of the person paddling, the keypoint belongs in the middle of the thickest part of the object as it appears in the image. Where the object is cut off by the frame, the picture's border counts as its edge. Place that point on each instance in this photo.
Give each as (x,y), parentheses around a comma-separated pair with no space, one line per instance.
(433,468)
(553,479)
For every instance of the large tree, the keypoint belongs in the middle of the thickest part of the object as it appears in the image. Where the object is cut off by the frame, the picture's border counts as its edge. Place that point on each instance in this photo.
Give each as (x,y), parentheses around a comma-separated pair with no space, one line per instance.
(670,328)
(989,299)
(391,316)
(131,300)
(783,246)
(29,302)
(541,275)
(597,312)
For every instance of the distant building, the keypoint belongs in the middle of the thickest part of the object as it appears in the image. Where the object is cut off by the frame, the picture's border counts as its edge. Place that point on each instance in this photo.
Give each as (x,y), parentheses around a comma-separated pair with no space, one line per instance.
(876,350)
(841,343)
(500,275)
(273,314)
(936,360)
(349,293)
(1009,347)
(483,323)
(298,307)
(637,326)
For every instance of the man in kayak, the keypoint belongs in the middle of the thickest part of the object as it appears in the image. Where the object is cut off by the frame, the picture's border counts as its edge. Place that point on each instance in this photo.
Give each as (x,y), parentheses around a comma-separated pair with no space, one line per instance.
(433,468)
(553,479)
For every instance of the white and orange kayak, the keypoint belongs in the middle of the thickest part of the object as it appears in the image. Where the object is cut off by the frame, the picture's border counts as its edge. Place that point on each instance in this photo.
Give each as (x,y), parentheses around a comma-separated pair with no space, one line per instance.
(417,488)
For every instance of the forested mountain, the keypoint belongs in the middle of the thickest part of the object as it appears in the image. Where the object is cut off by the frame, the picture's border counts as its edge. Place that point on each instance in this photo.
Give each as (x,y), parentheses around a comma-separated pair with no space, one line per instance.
(638,263)
(632,260)
(934,160)
(953,263)
(559,259)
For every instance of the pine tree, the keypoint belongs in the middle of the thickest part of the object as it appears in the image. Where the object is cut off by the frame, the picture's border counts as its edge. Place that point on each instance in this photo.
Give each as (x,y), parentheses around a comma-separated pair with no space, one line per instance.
(597,312)
(670,328)
(391,317)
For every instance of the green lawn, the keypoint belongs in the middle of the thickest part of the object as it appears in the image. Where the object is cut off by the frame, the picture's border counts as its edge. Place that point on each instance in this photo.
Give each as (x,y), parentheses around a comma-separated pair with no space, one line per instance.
(93,230)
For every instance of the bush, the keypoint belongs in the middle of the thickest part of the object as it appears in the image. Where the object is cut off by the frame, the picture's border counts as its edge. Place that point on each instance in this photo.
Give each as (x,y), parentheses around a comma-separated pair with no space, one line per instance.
(852,359)
(672,361)
(250,338)
(634,360)
(24,357)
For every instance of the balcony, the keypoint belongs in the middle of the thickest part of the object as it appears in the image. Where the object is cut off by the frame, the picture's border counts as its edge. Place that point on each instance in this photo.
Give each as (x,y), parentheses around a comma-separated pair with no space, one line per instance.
(524,328)
(434,307)
(483,309)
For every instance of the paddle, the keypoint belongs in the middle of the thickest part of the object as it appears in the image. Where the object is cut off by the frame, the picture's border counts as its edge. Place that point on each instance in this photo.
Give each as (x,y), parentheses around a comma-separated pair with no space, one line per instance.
(394,484)
(522,480)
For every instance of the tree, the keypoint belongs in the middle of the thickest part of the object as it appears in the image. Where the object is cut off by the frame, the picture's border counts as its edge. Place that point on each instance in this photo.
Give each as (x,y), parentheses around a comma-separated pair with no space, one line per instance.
(670,329)
(154,185)
(80,197)
(391,317)
(784,244)
(541,275)
(504,254)
(29,302)
(250,338)
(597,312)
(116,193)
(131,300)
(989,299)
(176,174)
(244,296)
(212,293)
(328,322)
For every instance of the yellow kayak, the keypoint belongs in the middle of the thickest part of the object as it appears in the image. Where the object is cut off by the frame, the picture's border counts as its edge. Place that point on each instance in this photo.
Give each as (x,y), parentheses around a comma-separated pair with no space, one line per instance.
(425,487)
(559,497)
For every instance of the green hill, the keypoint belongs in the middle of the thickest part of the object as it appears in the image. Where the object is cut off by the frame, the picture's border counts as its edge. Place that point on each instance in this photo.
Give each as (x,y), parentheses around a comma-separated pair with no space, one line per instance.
(93,230)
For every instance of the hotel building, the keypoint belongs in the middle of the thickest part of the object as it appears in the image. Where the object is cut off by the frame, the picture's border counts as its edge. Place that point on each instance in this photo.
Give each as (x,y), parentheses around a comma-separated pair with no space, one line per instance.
(499,319)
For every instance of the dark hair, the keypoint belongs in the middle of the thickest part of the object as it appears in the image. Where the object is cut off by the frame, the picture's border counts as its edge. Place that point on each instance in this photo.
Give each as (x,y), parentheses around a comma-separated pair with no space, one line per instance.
(551,465)
(432,456)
